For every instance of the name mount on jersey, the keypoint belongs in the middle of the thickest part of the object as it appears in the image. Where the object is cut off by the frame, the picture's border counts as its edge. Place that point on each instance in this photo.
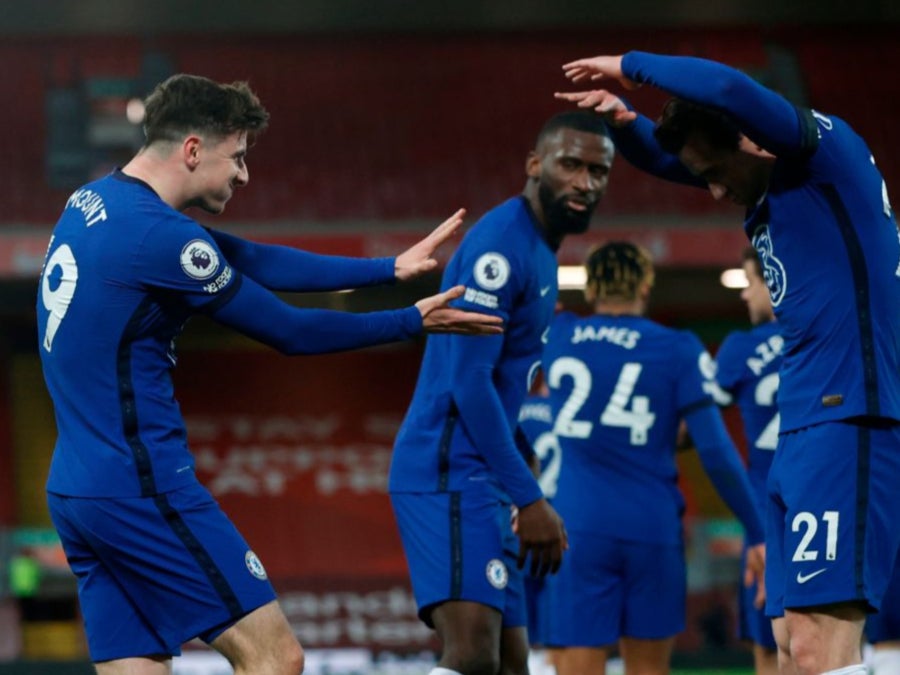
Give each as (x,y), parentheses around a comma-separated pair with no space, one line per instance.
(90,204)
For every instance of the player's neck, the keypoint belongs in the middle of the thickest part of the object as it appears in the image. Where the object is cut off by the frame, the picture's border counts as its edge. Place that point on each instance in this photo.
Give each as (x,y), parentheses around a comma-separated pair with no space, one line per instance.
(156,172)
(625,308)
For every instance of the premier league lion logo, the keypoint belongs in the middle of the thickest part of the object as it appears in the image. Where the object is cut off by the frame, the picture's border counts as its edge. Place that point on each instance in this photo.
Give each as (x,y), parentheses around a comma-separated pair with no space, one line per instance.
(199,259)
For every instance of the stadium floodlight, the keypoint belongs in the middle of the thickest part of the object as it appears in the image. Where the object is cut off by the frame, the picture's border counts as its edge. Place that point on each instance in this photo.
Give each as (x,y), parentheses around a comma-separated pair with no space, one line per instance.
(571,277)
(734,278)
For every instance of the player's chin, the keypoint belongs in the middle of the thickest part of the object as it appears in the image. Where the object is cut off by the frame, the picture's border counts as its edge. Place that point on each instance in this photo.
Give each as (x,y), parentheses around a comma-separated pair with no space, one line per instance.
(577,222)
(214,207)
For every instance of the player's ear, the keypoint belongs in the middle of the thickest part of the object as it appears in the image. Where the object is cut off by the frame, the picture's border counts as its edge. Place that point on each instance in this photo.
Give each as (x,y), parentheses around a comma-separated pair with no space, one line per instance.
(533,165)
(190,149)
(644,291)
(590,293)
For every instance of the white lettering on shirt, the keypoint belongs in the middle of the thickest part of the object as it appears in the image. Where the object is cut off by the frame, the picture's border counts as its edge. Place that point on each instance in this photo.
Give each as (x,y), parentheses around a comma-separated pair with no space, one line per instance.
(623,337)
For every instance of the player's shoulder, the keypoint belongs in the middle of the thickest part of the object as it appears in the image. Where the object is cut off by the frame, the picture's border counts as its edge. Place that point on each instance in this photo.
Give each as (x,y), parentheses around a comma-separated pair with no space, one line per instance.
(677,337)
(738,340)
(507,228)
(564,321)
(682,345)
(838,148)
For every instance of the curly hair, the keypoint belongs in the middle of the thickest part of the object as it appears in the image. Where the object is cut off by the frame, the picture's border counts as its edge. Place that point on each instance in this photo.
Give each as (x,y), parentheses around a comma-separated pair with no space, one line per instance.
(616,270)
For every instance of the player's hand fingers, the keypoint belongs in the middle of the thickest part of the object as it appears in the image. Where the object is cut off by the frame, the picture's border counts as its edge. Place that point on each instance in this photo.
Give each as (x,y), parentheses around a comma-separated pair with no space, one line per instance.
(445,230)
(523,555)
(537,562)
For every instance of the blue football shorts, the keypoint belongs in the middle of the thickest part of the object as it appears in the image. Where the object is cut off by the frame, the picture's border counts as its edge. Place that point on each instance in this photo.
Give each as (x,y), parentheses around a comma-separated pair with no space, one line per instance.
(608,588)
(155,572)
(833,516)
(460,546)
(536,606)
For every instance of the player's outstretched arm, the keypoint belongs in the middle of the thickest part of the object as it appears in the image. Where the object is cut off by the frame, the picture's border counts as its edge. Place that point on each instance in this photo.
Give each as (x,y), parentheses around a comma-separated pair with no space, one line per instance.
(419,259)
(285,268)
(259,314)
(439,317)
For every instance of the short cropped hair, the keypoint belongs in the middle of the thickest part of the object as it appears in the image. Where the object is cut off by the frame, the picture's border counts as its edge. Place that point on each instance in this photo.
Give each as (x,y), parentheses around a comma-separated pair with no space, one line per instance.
(579,120)
(186,104)
(616,270)
(682,119)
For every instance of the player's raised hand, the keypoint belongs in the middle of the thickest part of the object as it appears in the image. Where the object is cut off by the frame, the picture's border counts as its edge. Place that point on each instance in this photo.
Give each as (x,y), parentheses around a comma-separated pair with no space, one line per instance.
(613,109)
(542,536)
(418,259)
(598,68)
(755,571)
(439,317)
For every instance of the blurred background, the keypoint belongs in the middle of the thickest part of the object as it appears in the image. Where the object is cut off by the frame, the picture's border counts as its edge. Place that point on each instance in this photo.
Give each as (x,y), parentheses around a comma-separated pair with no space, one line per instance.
(387,115)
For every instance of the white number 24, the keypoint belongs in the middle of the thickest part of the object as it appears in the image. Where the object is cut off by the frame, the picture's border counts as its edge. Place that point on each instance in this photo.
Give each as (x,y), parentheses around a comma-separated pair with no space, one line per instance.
(622,410)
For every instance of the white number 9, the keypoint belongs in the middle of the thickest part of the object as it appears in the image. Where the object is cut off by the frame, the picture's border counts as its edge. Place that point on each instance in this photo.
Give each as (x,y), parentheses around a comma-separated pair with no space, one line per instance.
(57,301)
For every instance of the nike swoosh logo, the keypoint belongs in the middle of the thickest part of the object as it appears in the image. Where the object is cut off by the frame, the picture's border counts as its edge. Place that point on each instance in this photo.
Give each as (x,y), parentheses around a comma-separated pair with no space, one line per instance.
(545,290)
(803,578)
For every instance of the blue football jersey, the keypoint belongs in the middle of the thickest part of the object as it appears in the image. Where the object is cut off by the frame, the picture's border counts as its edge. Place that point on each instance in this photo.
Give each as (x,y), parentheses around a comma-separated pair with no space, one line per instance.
(747,368)
(828,245)
(619,386)
(536,423)
(825,233)
(458,433)
(123,272)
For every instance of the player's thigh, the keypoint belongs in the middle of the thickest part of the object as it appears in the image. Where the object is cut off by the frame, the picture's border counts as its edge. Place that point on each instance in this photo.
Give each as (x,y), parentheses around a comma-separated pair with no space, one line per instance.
(646,657)
(467,630)
(580,660)
(839,527)
(826,637)
(160,665)
(261,641)
(585,598)
(460,548)
(514,651)
(655,590)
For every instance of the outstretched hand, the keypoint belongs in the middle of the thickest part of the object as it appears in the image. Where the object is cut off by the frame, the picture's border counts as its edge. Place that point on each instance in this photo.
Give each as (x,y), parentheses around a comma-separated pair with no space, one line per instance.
(754,571)
(439,317)
(598,68)
(613,109)
(418,258)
